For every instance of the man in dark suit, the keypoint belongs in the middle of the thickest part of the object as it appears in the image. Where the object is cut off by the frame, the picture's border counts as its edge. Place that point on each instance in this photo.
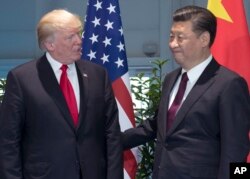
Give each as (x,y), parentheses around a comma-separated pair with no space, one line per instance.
(211,123)
(38,137)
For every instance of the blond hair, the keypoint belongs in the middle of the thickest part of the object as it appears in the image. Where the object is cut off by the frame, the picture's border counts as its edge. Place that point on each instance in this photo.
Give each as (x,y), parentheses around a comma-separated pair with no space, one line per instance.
(56,20)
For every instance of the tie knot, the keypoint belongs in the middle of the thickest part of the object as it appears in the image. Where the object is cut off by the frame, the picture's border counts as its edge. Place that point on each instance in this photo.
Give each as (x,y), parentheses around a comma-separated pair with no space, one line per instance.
(64,68)
(184,77)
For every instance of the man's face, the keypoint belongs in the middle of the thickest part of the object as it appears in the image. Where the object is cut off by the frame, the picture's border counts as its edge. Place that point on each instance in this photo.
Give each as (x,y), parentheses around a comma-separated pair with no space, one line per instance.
(186,46)
(67,45)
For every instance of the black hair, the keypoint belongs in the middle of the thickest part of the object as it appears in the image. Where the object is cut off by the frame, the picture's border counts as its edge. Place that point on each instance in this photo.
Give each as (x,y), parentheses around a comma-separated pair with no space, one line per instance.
(202,20)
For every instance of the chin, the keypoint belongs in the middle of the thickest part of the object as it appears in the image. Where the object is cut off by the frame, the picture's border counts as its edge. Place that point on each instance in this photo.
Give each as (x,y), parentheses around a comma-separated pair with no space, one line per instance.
(78,57)
(178,60)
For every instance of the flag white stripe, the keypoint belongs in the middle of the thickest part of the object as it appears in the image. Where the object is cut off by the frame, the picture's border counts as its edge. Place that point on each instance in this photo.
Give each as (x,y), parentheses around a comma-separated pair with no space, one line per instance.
(123,118)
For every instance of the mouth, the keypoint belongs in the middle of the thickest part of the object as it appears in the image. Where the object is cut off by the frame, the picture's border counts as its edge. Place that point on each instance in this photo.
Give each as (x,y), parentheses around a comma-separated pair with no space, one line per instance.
(176,52)
(79,50)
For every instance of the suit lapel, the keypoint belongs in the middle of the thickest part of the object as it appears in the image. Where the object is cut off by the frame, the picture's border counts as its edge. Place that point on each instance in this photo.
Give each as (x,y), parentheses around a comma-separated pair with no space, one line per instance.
(203,83)
(51,85)
(84,90)
(167,88)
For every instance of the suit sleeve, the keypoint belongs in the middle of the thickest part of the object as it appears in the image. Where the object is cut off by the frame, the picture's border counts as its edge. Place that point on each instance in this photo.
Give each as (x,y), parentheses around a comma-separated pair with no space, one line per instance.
(235,124)
(113,137)
(141,134)
(147,130)
(11,122)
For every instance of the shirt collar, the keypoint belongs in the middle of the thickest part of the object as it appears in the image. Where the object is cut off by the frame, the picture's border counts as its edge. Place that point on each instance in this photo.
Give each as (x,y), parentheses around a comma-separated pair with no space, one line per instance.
(195,72)
(57,65)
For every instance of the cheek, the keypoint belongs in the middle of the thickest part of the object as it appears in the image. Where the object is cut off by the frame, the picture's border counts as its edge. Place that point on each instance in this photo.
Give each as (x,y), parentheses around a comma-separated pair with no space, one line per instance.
(66,48)
(189,47)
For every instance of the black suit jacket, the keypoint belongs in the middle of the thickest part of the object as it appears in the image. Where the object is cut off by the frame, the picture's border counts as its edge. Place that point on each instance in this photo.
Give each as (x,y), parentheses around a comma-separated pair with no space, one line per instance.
(210,129)
(37,137)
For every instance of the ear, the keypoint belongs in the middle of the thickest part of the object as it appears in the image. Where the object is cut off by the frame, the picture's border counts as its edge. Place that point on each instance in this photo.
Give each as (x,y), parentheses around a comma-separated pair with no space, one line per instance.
(205,39)
(50,46)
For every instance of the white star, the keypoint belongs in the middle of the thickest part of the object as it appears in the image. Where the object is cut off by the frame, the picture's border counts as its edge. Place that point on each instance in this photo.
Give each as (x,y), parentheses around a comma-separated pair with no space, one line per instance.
(105,58)
(121,31)
(107,41)
(91,55)
(96,21)
(94,38)
(119,62)
(121,47)
(111,8)
(98,5)
(109,25)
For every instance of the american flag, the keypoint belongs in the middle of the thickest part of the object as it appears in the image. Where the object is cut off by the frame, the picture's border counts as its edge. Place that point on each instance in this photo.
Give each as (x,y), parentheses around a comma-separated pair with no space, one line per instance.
(103,43)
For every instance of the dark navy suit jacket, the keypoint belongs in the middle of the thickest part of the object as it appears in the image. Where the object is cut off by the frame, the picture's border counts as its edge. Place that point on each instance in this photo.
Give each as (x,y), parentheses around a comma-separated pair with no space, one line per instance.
(210,129)
(38,139)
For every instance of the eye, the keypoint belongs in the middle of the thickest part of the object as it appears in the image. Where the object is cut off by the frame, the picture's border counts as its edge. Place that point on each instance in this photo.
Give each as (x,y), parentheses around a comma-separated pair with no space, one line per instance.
(171,36)
(70,37)
(180,38)
(74,35)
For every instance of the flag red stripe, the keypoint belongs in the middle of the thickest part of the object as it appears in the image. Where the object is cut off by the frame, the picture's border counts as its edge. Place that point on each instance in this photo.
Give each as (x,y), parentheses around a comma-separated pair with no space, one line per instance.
(123,97)
(122,94)
(130,165)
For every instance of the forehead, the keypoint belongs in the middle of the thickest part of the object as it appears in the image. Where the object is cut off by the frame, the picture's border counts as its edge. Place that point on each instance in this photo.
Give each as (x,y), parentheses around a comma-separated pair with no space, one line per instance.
(69,28)
(182,27)
(71,25)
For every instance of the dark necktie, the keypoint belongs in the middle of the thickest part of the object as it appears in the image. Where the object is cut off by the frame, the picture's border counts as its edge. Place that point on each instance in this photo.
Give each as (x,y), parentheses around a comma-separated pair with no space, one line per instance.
(177,101)
(69,94)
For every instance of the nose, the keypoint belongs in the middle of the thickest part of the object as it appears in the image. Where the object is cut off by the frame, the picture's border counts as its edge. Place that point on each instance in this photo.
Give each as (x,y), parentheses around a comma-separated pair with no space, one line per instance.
(173,43)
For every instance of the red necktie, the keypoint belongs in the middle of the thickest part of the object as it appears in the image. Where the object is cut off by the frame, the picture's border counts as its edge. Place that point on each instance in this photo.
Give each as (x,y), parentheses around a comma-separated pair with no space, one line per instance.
(69,94)
(177,101)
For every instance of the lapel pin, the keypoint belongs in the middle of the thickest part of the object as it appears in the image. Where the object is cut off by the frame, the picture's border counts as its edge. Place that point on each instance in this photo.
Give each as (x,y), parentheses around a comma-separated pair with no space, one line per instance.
(85,75)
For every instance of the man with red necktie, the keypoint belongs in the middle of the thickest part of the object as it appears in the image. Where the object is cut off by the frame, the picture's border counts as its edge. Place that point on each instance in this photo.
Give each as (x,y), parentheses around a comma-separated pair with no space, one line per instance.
(59,118)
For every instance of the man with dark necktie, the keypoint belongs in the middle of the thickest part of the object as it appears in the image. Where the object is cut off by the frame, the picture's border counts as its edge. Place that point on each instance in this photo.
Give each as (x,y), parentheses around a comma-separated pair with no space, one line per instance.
(202,122)
(59,118)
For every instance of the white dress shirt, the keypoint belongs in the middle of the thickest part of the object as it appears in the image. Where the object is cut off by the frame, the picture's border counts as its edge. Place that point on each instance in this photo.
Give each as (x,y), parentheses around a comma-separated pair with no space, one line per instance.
(193,75)
(71,72)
